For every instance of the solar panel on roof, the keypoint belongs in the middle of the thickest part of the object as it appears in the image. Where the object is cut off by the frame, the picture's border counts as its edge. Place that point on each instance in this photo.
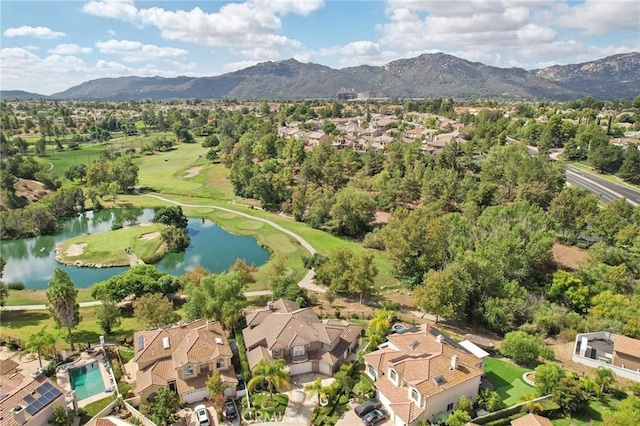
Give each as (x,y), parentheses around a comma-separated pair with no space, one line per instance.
(37,405)
(29,399)
(31,410)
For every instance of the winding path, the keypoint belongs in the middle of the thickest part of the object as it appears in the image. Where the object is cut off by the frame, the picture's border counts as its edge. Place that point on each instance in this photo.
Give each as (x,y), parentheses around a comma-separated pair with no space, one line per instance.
(306,282)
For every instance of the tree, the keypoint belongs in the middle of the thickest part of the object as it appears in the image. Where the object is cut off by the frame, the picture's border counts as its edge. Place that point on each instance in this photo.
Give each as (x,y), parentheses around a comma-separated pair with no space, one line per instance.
(570,396)
(61,417)
(163,407)
(171,216)
(219,296)
(62,302)
(458,418)
(352,212)
(154,310)
(108,314)
(547,377)
(246,272)
(604,379)
(194,276)
(39,342)
(272,372)
(521,347)
(216,388)
(347,272)
(378,328)
(627,413)
(315,388)
(630,168)
(572,210)
(444,293)
(530,405)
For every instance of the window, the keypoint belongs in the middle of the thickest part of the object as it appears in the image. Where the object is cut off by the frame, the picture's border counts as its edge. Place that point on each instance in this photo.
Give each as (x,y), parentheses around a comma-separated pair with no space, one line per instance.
(277,352)
(326,347)
(298,350)
(393,375)
(172,386)
(371,371)
(414,395)
(450,406)
(220,364)
(188,370)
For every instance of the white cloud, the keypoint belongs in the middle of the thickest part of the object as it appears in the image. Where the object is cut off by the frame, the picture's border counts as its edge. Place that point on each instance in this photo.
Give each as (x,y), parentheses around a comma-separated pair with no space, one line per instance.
(117,9)
(35,32)
(69,49)
(135,51)
(235,66)
(599,17)
(21,69)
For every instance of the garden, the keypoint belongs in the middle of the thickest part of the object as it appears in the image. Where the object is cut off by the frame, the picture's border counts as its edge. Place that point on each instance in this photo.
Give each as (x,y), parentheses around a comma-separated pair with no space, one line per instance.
(507,380)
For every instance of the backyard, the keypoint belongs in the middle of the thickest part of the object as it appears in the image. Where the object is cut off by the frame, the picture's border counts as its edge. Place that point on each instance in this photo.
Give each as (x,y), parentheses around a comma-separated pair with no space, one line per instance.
(507,380)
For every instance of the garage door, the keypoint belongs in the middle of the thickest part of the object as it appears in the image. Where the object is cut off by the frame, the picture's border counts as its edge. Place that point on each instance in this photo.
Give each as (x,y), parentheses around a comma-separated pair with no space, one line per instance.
(296,369)
(195,396)
(325,368)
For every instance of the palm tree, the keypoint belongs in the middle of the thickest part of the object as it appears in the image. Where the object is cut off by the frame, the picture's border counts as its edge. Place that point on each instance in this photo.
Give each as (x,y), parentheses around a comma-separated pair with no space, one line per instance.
(316,388)
(274,373)
(529,404)
(40,341)
(604,378)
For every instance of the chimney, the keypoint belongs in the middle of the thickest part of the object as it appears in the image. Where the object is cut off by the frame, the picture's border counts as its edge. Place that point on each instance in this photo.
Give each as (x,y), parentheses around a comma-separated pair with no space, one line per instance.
(270,305)
(454,362)
(440,338)
(18,414)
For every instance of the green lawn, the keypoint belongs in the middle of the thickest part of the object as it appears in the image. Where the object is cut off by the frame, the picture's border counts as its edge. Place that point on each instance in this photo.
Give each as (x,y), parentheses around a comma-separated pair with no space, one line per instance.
(94,408)
(507,380)
(39,297)
(593,415)
(108,248)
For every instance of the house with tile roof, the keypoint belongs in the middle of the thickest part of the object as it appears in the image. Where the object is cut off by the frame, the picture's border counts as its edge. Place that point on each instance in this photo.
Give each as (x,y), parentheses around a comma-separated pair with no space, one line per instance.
(531,420)
(309,345)
(26,400)
(421,374)
(181,357)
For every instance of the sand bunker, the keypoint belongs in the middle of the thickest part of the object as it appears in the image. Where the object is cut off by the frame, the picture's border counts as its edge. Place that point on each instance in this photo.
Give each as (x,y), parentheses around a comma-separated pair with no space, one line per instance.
(150,236)
(75,249)
(193,172)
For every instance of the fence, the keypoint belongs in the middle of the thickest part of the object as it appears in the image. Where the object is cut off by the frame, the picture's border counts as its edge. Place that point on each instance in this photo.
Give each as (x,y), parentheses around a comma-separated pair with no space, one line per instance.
(506,412)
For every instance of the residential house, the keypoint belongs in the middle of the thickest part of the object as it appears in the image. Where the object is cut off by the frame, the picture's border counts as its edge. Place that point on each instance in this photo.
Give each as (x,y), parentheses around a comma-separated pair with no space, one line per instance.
(421,374)
(618,353)
(314,138)
(531,420)
(181,357)
(309,345)
(26,400)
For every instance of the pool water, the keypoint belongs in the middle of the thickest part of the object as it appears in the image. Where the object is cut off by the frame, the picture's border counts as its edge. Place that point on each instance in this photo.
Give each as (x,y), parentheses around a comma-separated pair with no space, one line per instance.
(86,380)
(399,328)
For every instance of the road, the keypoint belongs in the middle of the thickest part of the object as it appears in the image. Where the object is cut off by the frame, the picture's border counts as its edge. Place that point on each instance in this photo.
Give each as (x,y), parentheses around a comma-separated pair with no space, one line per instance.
(605,189)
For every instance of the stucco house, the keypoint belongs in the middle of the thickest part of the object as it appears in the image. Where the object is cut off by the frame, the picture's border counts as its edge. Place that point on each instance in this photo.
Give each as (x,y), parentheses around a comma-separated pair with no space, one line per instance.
(421,374)
(284,330)
(28,400)
(619,353)
(181,357)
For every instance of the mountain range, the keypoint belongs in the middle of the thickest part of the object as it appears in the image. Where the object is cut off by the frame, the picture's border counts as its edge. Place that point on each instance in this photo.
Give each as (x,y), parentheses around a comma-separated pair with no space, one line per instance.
(426,76)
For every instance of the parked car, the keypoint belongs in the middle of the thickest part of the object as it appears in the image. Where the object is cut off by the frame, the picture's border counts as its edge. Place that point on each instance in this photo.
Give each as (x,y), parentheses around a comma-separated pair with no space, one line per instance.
(202,415)
(366,407)
(230,411)
(374,417)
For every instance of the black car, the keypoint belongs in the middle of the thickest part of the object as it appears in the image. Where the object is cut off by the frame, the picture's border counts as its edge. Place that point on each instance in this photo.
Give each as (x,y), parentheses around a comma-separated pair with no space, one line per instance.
(230,411)
(374,417)
(366,407)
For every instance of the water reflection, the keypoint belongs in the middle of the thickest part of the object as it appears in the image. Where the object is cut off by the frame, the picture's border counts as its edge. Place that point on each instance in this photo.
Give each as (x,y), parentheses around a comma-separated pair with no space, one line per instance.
(32,260)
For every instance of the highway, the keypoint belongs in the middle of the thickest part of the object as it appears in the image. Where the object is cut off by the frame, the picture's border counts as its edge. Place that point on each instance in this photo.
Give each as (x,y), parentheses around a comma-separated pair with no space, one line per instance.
(605,189)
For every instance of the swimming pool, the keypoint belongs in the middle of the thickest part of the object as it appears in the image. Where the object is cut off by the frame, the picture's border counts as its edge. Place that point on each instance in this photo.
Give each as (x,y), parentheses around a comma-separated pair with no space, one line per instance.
(86,380)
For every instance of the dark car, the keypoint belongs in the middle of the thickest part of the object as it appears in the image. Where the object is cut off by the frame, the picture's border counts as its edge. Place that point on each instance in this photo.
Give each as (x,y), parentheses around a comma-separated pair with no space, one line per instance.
(374,417)
(230,411)
(366,407)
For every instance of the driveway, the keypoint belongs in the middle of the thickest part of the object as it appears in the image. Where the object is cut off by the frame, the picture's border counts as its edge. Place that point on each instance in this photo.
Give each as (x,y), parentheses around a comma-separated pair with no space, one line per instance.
(351,419)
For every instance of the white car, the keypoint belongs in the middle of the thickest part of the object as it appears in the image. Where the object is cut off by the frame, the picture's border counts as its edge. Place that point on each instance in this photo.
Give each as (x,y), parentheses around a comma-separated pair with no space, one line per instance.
(202,415)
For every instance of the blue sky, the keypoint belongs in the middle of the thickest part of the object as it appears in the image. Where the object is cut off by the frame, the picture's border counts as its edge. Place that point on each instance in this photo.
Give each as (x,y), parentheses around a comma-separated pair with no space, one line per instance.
(49,46)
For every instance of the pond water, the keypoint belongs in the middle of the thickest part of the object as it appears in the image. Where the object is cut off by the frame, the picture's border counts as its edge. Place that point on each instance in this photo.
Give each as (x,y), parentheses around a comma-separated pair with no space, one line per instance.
(32,260)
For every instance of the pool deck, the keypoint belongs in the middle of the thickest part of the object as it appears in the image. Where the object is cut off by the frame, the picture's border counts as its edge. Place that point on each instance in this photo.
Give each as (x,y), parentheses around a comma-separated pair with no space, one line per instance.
(65,383)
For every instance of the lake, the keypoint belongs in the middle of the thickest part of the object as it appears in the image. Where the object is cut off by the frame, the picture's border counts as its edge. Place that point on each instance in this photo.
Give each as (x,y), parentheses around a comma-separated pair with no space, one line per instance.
(32,260)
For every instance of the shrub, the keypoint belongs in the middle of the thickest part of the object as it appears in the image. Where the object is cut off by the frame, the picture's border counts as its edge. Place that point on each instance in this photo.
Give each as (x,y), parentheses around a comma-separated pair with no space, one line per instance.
(521,347)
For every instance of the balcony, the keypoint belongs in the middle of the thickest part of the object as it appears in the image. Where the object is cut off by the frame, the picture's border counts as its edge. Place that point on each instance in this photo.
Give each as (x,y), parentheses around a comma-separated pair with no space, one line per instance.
(300,358)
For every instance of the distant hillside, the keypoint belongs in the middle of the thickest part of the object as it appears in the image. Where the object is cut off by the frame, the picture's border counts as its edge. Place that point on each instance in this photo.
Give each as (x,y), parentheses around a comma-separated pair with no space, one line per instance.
(426,76)
(20,94)
(616,76)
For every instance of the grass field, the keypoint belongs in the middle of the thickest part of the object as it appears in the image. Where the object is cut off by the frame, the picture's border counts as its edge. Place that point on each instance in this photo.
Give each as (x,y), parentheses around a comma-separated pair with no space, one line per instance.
(108,248)
(507,380)
(39,297)
(593,415)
